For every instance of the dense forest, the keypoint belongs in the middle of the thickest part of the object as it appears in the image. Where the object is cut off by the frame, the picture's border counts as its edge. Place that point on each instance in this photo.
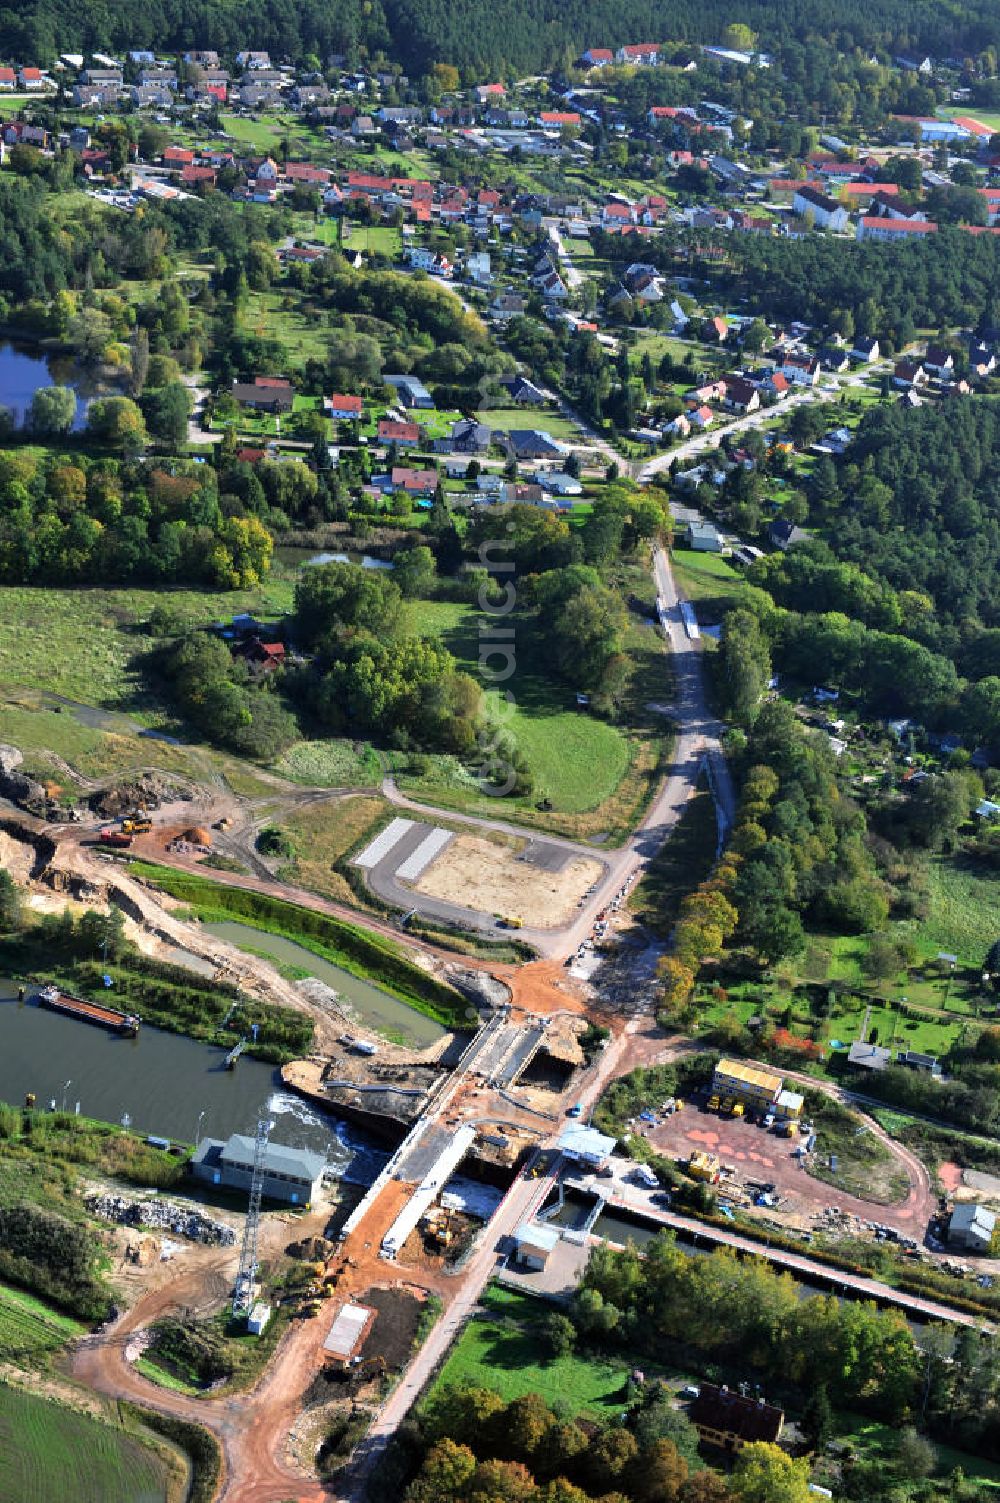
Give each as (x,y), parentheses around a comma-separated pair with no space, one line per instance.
(502,36)
(921,504)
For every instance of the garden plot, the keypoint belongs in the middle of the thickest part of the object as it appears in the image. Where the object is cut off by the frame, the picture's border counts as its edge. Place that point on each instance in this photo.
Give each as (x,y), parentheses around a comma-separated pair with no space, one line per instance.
(541,886)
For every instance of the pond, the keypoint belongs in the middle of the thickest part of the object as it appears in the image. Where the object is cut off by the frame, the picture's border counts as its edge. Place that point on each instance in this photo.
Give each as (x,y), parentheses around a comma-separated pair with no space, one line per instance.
(294,557)
(23,369)
(371,1005)
(163,1082)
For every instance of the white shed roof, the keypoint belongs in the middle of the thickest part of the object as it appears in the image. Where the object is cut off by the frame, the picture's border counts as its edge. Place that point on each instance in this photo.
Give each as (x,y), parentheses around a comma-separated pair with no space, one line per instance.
(536,1234)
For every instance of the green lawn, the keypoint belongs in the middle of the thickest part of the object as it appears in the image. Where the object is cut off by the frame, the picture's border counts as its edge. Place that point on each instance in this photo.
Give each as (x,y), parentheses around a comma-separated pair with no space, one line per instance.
(49,1454)
(502,1352)
(502,419)
(706,578)
(577,761)
(377,239)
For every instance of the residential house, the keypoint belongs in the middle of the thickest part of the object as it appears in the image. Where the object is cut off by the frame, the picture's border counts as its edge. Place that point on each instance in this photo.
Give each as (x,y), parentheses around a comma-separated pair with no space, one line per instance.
(938,361)
(834,359)
(345,408)
(717,328)
(982,361)
(704,537)
(177,157)
(701,418)
(869,1056)
(265,394)
(741,395)
(559,483)
(422,258)
(411,391)
(731,1420)
(639,55)
(559,119)
(972,1227)
(800,369)
(305,172)
(522,392)
(865,350)
(532,443)
(708,391)
(403,435)
(785,535)
(826,213)
(469,437)
(776,386)
(678,427)
(598,57)
(477,268)
(876,228)
(414,482)
(31,79)
(260,657)
(8,78)
(507,305)
(253,60)
(908,373)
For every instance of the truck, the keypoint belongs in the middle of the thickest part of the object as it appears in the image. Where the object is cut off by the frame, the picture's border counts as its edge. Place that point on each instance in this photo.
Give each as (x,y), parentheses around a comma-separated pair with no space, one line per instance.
(737,1109)
(713,1103)
(137,824)
(116,838)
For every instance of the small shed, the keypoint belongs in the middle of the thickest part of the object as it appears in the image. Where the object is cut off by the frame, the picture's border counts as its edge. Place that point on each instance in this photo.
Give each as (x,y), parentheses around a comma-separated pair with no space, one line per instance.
(348,1331)
(789,1104)
(535,1244)
(258,1319)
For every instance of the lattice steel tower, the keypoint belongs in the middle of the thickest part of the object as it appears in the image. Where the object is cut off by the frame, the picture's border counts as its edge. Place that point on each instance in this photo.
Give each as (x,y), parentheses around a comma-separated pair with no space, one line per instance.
(243,1296)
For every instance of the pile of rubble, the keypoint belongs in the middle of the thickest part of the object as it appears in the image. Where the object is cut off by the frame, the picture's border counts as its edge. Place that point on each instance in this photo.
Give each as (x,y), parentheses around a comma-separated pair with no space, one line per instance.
(164,1215)
(148,791)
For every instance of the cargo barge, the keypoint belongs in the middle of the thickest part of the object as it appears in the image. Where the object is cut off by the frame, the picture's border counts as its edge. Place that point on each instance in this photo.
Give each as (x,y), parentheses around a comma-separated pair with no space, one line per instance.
(56,1000)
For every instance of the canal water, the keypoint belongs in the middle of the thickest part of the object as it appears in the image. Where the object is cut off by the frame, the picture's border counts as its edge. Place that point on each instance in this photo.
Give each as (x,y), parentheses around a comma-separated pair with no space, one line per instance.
(374,1007)
(163,1082)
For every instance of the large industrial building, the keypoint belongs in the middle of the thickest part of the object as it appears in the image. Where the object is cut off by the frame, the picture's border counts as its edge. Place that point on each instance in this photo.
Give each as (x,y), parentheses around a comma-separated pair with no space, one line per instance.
(290,1174)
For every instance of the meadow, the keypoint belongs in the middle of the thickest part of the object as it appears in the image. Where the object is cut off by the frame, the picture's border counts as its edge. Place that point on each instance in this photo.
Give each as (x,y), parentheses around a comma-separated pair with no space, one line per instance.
(501,1350)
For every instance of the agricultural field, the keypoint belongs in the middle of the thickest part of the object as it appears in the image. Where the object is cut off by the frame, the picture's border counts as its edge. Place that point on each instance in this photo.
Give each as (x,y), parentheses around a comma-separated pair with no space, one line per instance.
(28,1327)
(49,1454)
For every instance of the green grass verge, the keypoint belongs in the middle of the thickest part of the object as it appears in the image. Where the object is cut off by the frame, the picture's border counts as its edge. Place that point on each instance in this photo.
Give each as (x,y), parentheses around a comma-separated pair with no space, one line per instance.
(159,1375)
(370,956)
(677,868)
(51,1453)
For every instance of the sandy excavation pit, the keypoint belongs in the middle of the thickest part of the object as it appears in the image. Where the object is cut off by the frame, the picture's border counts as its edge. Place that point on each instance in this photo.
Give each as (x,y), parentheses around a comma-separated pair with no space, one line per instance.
(475,873)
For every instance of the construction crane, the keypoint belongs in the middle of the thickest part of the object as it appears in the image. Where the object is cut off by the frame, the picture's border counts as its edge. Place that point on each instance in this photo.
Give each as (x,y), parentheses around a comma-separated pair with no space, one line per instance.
(243,1294)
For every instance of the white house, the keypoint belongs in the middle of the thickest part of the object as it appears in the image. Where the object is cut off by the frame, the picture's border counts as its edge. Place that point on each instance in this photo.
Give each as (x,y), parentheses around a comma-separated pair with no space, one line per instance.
(826,213)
